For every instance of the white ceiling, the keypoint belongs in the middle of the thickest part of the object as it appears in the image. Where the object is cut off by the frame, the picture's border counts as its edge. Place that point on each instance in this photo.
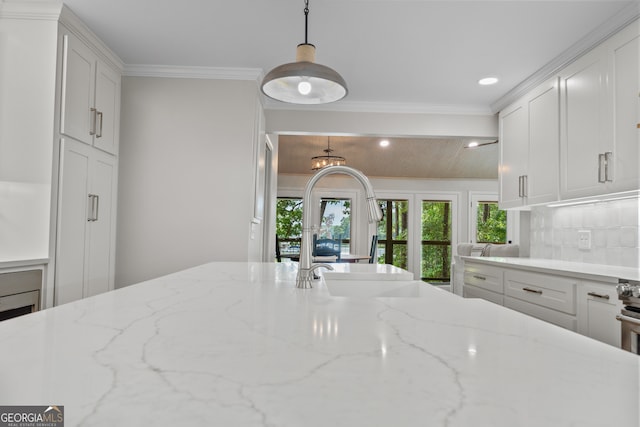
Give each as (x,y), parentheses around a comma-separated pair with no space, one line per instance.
(396,55)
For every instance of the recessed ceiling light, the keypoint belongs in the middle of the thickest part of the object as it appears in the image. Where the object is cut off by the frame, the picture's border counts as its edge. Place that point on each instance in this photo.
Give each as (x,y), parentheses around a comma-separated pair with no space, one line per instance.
(488,81)
(384,143)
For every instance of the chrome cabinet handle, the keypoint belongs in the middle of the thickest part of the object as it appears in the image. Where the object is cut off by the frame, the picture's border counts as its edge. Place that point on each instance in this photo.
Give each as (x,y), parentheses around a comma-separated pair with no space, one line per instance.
(608,166)
(91,207)
(94,203)
(596,295)
(99,124)
(525,178)
(521,186)
(601,169)
(533,291)
(92,120)
(479,277)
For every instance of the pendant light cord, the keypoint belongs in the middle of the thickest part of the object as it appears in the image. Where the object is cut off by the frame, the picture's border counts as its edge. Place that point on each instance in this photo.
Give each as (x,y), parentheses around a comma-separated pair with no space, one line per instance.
(306,19)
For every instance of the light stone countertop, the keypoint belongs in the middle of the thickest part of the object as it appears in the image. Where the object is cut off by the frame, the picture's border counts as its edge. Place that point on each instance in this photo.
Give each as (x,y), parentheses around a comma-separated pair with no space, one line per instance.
(236,344)
(606,273)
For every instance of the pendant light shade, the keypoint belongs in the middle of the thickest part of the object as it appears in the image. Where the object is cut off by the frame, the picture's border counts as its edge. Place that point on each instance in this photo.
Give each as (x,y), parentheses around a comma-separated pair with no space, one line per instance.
(304,81)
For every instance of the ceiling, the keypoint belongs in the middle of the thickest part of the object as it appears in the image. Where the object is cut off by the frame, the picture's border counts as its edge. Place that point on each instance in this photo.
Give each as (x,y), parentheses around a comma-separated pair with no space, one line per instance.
(396,55)
(402,158)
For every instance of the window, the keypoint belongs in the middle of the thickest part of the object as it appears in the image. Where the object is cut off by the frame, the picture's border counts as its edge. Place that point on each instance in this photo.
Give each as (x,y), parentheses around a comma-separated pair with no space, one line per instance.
(436,241)
(491,223)
(393,233)
(335,221)
(289,224)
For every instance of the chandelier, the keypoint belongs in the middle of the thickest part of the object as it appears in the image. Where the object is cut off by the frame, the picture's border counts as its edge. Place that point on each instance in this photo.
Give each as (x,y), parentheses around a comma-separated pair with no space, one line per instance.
(319,162)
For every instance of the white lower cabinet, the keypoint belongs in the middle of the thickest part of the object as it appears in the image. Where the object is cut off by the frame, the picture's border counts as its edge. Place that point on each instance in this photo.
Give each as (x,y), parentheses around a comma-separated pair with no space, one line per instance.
(544,290)
(86,222)
(483,281)
(586,307)
(598,305)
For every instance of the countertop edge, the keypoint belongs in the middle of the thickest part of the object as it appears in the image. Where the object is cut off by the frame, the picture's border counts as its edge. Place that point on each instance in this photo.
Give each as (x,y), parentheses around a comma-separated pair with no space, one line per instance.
(586,271)
(23,263)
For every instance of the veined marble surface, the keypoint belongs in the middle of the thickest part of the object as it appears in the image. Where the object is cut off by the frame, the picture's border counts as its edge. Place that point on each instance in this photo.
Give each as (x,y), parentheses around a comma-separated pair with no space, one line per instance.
(236,344)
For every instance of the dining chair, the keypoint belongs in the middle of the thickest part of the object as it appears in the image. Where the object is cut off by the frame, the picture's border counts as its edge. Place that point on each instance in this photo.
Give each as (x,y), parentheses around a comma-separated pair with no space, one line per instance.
(327,247)
(373,252)
(278,254)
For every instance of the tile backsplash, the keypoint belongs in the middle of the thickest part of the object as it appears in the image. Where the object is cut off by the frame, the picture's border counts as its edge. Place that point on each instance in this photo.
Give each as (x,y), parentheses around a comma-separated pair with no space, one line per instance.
(614,228)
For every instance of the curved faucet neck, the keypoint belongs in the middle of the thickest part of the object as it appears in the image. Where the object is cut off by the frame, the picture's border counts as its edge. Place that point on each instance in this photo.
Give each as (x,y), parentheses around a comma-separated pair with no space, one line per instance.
(305,270)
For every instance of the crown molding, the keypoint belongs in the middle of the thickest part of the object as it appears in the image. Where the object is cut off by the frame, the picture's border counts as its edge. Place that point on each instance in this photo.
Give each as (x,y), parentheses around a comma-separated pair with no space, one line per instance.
(624,17)
(382,107)
(48,10)
(141,70)
(71,21)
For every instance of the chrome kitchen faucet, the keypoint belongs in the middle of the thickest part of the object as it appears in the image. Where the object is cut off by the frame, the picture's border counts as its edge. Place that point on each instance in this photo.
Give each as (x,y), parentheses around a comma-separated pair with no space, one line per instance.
(306,266)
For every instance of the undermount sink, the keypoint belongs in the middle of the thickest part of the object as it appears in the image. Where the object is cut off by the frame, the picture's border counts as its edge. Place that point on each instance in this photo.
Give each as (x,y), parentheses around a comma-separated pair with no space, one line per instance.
(377,289)
(368,272)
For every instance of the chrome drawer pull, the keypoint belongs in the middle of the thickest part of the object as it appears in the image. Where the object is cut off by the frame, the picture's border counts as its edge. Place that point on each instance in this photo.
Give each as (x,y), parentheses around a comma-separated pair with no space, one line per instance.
(534,291)
(479,277)
(593,294)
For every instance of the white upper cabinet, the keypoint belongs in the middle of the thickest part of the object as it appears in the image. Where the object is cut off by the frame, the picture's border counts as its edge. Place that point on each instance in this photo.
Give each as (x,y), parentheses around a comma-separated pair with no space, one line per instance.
(90,102)
(529,137)
(623,56)
(599,117)
(513,143)
(578,134)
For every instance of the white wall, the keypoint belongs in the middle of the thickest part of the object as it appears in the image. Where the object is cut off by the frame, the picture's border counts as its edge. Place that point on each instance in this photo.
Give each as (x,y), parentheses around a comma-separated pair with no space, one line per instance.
(615,234)
(186,174)
(27,97)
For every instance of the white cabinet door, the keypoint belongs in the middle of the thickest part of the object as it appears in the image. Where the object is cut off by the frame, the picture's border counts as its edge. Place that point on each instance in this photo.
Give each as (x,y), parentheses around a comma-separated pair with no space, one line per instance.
(598,305)
(513,160)
(599,118)
(542,179)
(101,244)
(584,125)
(107,106)
(78,82)
(86,222)
(72,221)
(90,103)
(623,54)
(529,148)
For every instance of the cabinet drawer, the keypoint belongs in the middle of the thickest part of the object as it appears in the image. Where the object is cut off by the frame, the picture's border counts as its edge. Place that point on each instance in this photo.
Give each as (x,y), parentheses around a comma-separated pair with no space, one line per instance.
(475,292)
(484,276)
(560,319)
(557,293)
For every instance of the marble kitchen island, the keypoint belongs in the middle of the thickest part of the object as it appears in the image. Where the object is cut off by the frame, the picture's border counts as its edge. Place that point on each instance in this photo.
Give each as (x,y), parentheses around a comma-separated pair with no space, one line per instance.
(236,344)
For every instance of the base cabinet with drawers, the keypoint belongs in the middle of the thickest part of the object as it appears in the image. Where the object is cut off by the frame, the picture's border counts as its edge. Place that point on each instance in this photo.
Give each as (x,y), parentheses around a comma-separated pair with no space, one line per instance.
(586,307)
(598,303)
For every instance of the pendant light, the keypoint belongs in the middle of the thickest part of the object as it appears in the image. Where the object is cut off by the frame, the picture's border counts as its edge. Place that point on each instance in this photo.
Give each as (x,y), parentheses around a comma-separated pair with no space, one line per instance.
(304,81)
(319,162)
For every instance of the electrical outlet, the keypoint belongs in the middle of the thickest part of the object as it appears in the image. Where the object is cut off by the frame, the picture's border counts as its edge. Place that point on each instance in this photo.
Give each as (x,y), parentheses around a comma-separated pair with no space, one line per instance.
(584,240)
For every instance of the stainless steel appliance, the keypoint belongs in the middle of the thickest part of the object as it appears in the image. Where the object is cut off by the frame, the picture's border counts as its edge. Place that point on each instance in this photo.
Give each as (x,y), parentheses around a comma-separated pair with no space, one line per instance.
(19,293)
(629,293)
